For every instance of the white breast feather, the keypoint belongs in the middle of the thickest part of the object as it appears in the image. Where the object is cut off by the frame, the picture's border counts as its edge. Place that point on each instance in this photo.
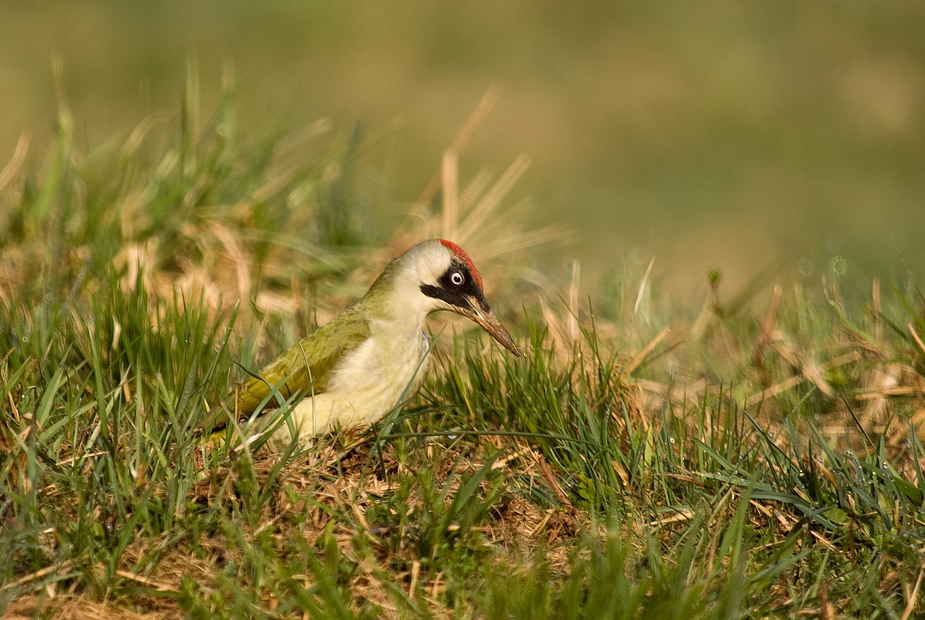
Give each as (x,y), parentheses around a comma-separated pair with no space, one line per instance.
(366,385)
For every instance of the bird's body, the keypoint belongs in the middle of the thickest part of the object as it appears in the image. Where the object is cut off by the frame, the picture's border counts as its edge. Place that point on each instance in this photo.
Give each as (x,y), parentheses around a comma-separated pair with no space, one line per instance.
(373,356)
(366,384)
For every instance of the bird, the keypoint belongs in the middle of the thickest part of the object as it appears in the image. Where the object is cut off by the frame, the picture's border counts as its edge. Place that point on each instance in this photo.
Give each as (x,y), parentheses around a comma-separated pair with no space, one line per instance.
(374,355)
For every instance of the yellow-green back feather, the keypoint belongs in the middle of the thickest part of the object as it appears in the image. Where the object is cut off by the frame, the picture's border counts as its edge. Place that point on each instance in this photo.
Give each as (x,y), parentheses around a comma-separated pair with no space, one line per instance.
(306,366)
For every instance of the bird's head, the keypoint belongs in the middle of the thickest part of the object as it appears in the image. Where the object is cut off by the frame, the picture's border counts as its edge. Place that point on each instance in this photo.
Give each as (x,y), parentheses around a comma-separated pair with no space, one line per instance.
(438,275)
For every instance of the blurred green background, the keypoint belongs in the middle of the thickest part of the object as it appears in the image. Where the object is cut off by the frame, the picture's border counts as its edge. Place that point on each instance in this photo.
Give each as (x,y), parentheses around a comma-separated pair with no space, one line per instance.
(735,135)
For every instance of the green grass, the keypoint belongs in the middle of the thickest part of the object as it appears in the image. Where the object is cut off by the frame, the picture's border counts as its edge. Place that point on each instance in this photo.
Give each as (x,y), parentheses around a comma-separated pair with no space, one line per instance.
(752,463)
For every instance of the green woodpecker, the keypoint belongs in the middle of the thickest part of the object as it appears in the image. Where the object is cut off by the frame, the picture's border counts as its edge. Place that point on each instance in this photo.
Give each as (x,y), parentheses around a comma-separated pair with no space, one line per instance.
(360,365)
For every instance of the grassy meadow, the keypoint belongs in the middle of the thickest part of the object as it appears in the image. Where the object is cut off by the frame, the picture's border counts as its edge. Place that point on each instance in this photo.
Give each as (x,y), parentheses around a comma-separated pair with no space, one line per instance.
(757,455)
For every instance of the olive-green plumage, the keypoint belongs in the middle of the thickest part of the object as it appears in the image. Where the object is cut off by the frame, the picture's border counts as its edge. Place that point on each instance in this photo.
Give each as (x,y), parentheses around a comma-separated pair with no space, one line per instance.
(305,367)
(307,364)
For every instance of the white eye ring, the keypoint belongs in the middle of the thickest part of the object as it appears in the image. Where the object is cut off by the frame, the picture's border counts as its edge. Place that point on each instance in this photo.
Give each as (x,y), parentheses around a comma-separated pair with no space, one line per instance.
(457,278)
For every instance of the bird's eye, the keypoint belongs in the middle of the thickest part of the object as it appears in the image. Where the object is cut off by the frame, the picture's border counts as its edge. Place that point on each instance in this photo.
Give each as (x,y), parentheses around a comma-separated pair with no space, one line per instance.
(457,278)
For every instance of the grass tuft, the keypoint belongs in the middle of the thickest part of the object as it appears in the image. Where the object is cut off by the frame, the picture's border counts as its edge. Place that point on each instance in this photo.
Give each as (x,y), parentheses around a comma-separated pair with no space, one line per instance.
(744,463)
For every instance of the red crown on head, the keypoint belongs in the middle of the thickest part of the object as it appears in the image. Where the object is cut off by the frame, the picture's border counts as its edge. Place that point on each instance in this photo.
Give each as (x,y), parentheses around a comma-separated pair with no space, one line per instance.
(461,255)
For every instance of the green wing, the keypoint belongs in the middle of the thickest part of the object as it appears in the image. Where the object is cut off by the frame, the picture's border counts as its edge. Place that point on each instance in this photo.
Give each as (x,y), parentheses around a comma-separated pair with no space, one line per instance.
(307,365)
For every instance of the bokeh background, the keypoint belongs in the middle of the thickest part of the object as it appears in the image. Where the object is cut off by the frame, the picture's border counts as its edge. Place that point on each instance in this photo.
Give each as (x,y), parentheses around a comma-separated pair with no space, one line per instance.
(744,136)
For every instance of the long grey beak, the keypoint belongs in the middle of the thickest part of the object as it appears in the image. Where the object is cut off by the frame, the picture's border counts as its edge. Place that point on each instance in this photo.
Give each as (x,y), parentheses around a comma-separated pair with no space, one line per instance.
(487,319)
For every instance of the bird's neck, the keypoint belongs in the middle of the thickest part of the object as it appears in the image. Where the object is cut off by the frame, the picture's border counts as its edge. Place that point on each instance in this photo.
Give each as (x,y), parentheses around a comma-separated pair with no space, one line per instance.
(396,299)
